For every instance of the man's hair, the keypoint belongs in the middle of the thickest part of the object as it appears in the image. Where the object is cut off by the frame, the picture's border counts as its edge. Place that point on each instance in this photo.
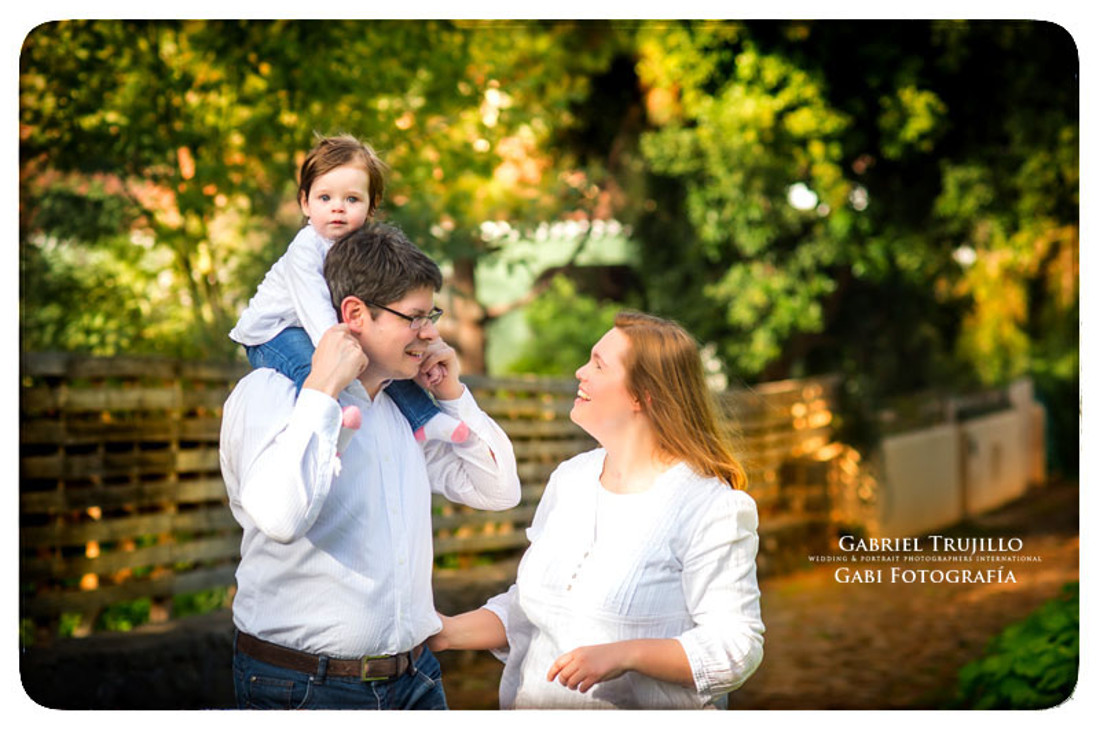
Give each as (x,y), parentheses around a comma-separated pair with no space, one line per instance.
(332,152)
(377,263)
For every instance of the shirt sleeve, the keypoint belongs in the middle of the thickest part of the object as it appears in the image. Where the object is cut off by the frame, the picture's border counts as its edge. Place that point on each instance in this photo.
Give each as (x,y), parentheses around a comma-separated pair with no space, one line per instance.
(278,453)
(726,645)
(480,472)
(306,285)
(507,609)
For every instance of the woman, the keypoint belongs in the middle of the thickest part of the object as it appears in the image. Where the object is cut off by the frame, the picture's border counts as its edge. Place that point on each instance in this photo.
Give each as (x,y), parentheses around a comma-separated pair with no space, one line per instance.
(639,587)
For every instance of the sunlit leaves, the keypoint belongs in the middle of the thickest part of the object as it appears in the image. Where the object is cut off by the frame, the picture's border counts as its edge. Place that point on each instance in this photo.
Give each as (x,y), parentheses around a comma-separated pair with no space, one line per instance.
(911,119)
(753,125)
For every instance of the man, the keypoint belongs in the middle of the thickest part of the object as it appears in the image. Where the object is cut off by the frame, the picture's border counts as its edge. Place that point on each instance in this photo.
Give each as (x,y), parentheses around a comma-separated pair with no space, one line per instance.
(334,598)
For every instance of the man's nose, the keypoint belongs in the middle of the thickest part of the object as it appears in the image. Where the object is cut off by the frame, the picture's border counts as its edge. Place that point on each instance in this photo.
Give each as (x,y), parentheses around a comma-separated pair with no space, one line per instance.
(428,332)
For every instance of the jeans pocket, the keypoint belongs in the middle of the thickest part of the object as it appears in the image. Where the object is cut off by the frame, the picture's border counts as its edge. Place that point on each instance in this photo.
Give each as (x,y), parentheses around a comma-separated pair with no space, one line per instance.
(271,693)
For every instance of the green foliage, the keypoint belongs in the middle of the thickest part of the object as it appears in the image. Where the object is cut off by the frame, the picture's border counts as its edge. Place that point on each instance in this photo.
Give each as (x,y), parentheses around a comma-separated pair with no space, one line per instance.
(565,325)
(197,128)
(909,145)
(740,141)
(1032,665)
(200,602)
(897,201)
(26,632)
(69,623)
(124,616)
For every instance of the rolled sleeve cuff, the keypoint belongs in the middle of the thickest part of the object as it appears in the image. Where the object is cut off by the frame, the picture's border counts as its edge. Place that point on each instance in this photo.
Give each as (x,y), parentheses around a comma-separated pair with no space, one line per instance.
(498,605)
(320,412)
(714,671)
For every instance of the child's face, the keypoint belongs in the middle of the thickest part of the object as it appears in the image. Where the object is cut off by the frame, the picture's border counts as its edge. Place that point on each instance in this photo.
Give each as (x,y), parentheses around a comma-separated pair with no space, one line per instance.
(338,201)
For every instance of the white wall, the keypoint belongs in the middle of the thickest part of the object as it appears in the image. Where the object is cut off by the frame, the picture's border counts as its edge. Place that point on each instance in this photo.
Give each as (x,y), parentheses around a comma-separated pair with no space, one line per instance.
(934,477)
(996,460)
(921,485)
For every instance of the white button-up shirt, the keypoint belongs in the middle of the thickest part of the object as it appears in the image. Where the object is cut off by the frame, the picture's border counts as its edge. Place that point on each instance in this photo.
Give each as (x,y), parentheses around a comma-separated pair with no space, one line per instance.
(676,561)
(336,556)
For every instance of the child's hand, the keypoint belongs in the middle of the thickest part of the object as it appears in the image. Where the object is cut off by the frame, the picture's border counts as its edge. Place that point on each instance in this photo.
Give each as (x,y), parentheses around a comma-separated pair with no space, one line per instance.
(439,371)
(434,375)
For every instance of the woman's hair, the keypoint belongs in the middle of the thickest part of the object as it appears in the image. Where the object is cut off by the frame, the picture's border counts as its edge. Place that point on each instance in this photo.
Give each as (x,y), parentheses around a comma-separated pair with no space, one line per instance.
(664,372)
(332,152)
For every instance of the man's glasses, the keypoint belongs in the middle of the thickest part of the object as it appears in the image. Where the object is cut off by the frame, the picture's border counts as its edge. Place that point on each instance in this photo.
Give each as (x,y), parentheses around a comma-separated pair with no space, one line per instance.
(417,322)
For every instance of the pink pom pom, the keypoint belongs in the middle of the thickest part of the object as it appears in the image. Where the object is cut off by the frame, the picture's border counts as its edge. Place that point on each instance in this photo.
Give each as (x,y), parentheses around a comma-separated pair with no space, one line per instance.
(353,418)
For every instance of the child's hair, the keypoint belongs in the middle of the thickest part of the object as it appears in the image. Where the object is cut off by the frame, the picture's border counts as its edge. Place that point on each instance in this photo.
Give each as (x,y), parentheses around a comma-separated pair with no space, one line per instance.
(332,152)
(378,264)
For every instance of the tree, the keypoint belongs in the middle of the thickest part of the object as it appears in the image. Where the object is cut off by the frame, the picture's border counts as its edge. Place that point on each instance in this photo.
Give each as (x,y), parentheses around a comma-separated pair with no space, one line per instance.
(893,200)
(820,188)
(196,128)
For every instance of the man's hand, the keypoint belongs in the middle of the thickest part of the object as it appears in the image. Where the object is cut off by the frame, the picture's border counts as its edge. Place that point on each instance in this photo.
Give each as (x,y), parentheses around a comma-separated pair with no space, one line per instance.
(338,361)
(585,666)
(439,371)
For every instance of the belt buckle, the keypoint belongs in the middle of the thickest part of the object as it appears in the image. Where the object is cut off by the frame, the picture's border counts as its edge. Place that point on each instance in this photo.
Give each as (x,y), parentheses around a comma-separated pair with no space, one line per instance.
(363,672)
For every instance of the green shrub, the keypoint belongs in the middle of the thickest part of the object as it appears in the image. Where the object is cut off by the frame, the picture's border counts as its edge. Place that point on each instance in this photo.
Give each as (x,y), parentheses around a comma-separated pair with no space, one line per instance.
(1032,664)
(565,325)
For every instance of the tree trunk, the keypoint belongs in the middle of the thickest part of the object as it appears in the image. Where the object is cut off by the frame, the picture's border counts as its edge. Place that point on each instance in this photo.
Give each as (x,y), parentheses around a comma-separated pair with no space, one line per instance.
(466,331)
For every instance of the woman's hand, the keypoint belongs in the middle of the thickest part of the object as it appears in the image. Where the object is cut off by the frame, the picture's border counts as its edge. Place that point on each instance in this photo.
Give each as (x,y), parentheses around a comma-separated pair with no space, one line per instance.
(476,630)
(585,666)
(663,659)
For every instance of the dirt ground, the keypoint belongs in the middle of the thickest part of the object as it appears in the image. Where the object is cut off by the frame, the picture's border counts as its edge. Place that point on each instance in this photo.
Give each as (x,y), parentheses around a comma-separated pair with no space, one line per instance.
(831,645)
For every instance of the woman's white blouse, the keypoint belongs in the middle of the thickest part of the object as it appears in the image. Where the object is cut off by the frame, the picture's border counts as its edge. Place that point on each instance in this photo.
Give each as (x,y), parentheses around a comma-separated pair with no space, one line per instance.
(677,561)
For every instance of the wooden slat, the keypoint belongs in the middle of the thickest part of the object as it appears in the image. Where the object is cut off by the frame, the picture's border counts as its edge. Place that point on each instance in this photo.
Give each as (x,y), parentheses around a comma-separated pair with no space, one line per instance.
(137,495)
(557,451)
(120,464)
(55,602)
(517,429)
(113,529)
(520,516)
(110,562)
(480,543)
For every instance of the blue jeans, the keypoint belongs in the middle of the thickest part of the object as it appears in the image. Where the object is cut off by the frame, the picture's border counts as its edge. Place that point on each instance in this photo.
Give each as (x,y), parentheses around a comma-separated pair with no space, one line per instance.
(260,686)
(291,353)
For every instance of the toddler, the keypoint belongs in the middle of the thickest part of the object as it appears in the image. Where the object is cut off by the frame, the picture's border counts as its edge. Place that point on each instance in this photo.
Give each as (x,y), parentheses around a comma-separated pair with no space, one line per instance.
(339,189)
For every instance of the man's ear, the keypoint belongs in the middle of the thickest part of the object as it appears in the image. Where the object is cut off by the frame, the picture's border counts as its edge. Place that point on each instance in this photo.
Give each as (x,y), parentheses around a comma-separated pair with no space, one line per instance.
(355,313)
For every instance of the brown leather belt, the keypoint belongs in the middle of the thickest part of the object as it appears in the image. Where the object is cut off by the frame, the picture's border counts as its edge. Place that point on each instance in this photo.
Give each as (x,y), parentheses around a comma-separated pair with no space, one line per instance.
(367,668)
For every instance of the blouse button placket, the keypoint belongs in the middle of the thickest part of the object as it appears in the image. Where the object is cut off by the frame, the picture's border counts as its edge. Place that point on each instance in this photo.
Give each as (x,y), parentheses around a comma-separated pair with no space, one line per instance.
(580,565)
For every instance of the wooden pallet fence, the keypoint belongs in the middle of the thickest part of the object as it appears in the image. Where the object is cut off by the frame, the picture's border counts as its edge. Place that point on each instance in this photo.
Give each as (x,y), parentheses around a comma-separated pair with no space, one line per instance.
(534,412)
(121,495)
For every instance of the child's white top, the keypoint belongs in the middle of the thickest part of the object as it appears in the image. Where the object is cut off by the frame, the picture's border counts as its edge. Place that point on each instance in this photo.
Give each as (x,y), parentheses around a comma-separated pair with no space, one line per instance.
(293,294)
